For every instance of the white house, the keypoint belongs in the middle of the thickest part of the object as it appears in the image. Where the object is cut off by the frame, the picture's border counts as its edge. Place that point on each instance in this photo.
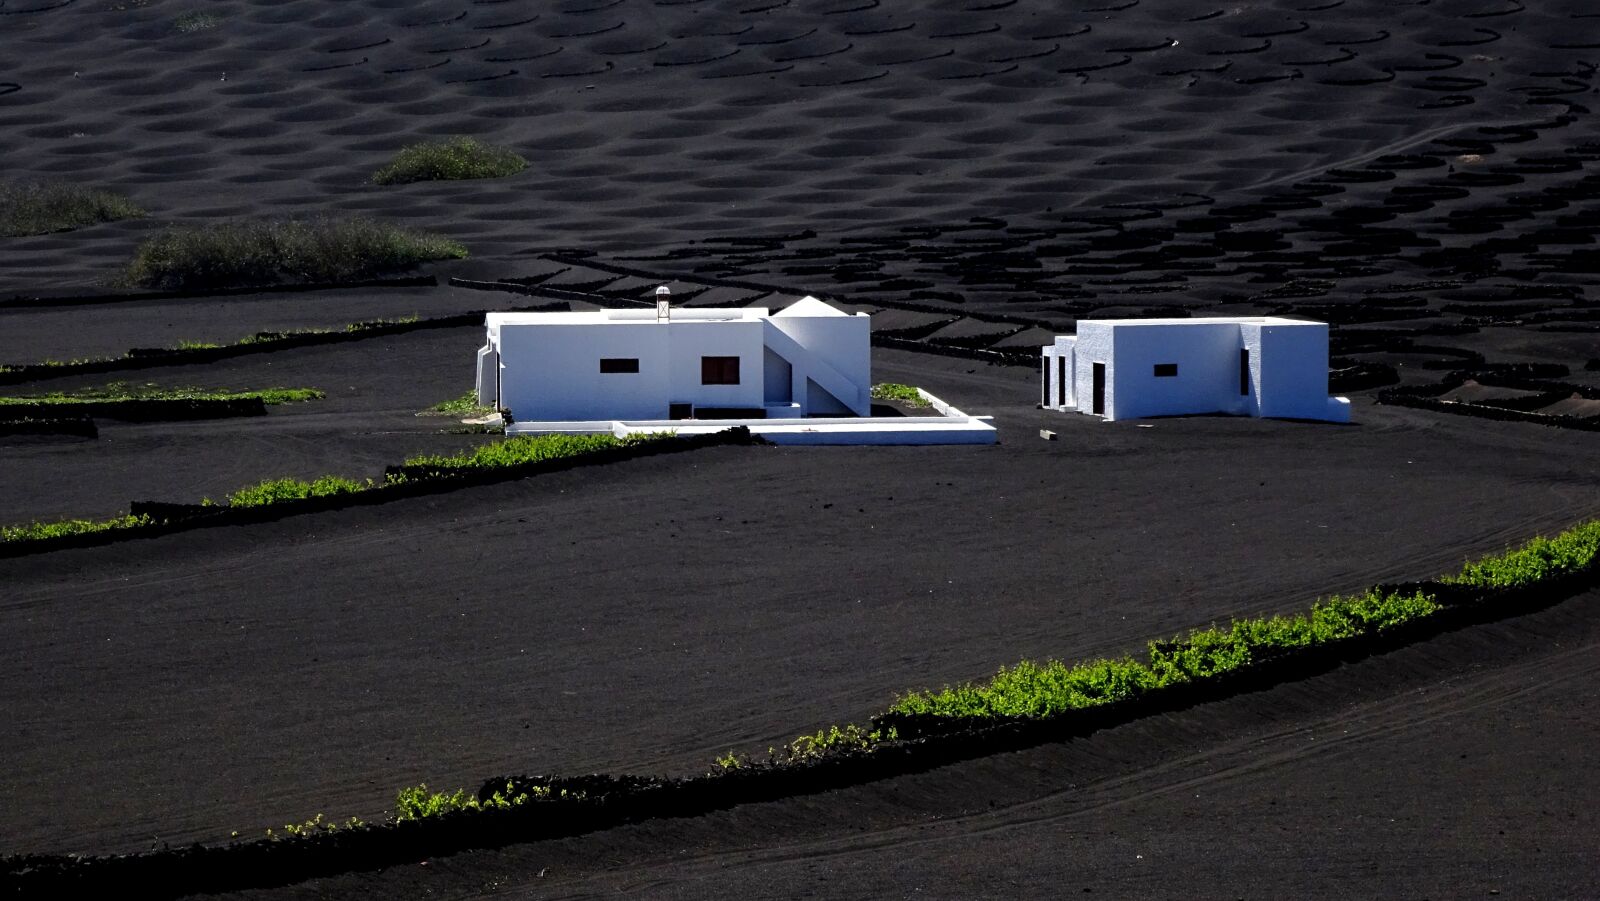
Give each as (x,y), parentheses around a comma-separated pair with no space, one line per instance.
(1250,366)
(675,364)
(802,375)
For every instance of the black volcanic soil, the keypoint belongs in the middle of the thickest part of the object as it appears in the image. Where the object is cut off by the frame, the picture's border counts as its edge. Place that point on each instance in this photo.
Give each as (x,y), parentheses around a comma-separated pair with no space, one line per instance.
(1423,175)
(650,615)
(1406,775)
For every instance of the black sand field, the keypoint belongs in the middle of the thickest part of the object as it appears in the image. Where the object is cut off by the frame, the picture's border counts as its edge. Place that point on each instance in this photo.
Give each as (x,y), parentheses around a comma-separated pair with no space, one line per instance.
(1424,175)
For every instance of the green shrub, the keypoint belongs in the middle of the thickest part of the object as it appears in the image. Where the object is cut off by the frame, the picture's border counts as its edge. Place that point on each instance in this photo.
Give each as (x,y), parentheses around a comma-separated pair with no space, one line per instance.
(905,394)
(529,449)
(275,491)
(465,405)
(121,391)
(241,254)
(28,208)
(835,740)
(1034,690)
(35,531)
(417,803)
(1539,559)
(454,158)
(315,826)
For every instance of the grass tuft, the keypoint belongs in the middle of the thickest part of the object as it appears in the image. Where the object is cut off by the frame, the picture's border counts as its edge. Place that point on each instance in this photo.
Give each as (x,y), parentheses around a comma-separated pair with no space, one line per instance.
(906,394)
(454,158)
(29,208)
(250,253)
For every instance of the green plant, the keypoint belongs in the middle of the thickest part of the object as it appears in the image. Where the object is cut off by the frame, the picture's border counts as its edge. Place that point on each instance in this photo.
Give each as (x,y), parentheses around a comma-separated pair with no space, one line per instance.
(315,826)
(35,531)
(905,394)
(1034,690)
(529,449)
(453,158)
(31,208)
(1539,559)
(274,491)
(417,803)
(463,406)
(268,252)
(121,391)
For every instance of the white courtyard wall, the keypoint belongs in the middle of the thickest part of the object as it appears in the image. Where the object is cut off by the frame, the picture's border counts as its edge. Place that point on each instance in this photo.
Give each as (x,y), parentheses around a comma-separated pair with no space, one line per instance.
(488,385)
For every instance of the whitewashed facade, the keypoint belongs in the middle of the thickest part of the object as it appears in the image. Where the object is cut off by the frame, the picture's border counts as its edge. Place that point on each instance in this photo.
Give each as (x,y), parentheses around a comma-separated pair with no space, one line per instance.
(667,363)
(1264,366)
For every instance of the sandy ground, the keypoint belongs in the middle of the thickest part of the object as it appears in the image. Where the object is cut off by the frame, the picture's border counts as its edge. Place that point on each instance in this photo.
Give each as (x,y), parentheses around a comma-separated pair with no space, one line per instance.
(1423,175)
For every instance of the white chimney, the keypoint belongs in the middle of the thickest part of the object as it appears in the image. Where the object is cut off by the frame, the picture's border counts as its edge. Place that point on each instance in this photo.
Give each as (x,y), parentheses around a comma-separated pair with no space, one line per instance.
(663,304)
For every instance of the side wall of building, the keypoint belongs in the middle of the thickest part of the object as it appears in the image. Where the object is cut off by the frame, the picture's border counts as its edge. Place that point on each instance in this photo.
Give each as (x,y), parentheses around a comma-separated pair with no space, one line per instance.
(1093,346)
(690,341)
(552,371)
(843,343)
(1294,371)
(1206,380)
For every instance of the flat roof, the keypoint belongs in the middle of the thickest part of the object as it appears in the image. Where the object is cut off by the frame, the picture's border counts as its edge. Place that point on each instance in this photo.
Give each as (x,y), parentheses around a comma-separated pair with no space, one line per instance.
(627,317)
(1206,320)
(805,307)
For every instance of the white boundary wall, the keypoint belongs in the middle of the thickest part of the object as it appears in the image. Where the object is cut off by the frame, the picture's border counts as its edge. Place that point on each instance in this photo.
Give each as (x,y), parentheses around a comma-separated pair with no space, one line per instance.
(954,427)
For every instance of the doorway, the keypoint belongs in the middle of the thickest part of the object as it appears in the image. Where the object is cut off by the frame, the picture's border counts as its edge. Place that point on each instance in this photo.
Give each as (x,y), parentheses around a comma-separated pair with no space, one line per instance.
(1061,381)
(1099,389)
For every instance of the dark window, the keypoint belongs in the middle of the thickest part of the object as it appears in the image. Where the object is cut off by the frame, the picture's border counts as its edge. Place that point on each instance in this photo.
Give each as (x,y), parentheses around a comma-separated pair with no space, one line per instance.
(619,364)
(1166,370)
(719,370)
(1244,371)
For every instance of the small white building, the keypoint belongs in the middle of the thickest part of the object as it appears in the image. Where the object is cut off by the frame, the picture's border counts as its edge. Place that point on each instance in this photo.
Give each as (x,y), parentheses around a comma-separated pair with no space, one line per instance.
(802,375)
(675,364)
(1249,366)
